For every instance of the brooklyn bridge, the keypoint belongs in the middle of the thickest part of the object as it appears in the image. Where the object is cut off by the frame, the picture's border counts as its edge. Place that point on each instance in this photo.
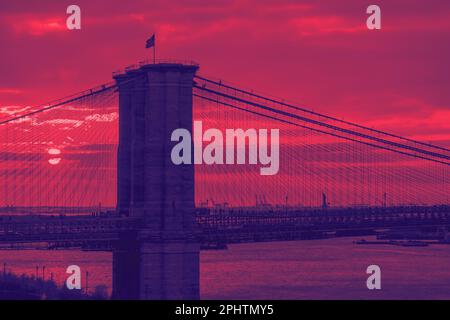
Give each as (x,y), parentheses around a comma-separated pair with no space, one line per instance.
(105,180)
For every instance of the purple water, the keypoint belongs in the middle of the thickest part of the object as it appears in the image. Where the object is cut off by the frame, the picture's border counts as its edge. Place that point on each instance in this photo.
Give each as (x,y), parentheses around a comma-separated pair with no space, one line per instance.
(316,269)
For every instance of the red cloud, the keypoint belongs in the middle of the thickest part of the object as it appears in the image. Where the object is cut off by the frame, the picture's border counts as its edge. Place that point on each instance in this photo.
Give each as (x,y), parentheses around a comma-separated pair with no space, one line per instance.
(318,25)
(36,26)
(10,91)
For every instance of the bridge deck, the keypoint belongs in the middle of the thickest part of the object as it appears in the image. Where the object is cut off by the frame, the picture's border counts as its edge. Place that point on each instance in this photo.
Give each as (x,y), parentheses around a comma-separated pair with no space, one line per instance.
(222,226)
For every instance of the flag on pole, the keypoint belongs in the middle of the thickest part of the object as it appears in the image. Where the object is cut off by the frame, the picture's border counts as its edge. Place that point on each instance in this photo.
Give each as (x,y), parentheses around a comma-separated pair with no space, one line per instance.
(150,42)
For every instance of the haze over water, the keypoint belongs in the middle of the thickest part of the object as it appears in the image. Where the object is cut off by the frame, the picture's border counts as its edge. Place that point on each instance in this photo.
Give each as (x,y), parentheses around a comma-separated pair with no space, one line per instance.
(313,269)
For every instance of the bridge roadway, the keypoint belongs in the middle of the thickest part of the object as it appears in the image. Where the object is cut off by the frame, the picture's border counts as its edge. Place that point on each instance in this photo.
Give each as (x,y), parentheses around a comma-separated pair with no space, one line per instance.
(221,226)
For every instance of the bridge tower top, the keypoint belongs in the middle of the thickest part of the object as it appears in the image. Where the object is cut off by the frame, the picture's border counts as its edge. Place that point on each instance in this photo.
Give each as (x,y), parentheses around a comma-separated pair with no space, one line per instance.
(141,66)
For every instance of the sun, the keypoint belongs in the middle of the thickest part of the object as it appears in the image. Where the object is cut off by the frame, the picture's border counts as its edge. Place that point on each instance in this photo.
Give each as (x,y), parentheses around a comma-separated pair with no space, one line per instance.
(54,152)
(54,161)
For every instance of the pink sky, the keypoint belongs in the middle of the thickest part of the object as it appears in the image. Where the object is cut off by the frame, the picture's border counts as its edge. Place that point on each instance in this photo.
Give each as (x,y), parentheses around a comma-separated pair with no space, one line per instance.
(318,54)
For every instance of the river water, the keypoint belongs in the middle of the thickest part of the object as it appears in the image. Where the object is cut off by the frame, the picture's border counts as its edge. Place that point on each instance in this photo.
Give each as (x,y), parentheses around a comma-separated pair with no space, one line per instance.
(312,269)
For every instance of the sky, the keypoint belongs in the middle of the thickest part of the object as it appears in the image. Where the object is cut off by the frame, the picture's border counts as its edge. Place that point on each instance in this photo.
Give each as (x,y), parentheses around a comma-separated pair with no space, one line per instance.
(318,54)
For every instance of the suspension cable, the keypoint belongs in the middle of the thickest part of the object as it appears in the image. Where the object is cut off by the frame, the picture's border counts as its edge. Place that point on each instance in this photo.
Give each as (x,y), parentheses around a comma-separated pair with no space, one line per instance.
(319,123)
(319,114)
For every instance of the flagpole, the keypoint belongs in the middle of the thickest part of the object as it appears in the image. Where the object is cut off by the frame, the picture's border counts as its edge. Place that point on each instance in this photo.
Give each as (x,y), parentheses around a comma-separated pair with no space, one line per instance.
(152,43)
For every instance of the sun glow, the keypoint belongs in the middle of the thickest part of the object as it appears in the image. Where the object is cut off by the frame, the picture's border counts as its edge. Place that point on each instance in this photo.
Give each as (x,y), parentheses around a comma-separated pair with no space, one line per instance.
(54,152)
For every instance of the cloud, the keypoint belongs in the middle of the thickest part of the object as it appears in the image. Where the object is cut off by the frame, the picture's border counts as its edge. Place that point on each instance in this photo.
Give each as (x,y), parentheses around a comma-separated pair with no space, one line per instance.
(31,25)
(433,127)
(94,147)
(10,91)
(12,110)
(53,122)
(326,25)
(114,20)
(103,117)
(20,156)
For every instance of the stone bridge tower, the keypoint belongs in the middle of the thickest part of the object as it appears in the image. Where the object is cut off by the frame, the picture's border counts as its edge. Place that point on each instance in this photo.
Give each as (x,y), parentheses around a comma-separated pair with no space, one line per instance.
(160,261)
